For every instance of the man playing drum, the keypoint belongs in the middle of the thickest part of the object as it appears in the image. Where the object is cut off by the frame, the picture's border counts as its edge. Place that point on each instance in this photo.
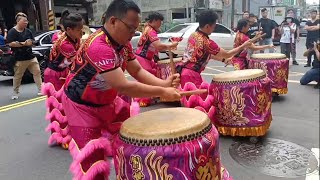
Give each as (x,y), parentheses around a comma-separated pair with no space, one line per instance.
(96,78)
(201,49)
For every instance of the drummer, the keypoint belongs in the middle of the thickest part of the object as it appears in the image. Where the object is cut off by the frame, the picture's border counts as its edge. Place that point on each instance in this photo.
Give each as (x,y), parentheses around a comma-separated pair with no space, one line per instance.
(201,49)
(64,50)
(97,76)
(239,61)
(149,46)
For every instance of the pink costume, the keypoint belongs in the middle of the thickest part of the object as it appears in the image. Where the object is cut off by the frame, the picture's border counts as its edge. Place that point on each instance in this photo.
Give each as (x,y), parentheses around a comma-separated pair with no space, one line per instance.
(61,53)
(146,53)
(239,61)
(56,36)
(196,57)
(94,110)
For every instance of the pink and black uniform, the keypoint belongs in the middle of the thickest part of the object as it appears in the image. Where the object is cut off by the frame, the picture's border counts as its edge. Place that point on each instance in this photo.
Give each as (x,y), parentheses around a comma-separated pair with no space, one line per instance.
(146,52)
(196,57)
(239,61)
(60,58)
(56,36)
(91,105)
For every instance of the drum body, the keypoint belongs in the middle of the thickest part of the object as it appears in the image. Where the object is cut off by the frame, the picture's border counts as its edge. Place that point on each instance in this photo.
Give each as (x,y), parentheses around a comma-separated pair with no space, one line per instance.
(276,66)
(243,106)
(164,68)
(173,143)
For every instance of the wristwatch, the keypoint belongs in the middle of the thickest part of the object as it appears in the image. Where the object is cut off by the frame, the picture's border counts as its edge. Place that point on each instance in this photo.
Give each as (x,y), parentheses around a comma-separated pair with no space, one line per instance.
(223,59)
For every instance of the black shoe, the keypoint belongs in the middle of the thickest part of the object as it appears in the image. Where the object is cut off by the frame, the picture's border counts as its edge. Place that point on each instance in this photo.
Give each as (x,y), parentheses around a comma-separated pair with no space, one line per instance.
(307,65)
(295,63)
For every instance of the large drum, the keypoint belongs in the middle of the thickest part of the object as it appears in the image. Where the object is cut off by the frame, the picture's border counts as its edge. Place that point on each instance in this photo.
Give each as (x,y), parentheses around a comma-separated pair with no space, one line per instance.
(276,66)
(169,143)
(164,68)
(243,106)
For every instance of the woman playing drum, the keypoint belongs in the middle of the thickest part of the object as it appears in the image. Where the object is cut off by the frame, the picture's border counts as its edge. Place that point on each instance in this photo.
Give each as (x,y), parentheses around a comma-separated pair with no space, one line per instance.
(239,61)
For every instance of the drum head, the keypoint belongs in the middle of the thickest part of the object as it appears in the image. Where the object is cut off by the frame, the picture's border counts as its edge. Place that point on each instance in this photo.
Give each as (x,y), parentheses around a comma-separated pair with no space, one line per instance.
(238,75)
(167,61)
(165,123)
(270,56)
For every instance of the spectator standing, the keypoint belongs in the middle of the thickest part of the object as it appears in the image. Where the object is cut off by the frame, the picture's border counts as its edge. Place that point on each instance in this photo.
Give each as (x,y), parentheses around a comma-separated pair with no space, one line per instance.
(268,27)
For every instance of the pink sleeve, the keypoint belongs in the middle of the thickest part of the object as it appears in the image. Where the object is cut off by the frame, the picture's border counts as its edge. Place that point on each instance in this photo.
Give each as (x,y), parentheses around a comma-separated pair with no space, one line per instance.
(67,49)
(104,58)
(213,47)
(244,39)
(54,37)
(153,36)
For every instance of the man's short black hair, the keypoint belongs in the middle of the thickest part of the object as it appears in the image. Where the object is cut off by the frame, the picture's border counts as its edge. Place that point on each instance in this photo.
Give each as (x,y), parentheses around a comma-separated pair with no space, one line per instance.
(290,10)
(263,9)
(119,8)
(154,16)
(314,10)
(207,17)
(246,12)
(252,15)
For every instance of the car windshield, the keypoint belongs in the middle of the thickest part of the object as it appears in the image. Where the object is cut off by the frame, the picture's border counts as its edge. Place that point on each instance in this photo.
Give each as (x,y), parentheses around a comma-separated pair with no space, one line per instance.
(182,28)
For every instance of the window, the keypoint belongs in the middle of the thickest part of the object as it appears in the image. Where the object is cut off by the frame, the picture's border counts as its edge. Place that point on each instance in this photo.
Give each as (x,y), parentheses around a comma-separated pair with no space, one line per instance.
(221,29)
(47,39)
(179,29)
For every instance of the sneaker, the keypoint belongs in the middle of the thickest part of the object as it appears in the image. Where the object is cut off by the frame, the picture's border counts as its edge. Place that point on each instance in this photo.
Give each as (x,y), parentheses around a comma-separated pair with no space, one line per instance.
(39,93)
(295,63)
(307,65)
(15,96)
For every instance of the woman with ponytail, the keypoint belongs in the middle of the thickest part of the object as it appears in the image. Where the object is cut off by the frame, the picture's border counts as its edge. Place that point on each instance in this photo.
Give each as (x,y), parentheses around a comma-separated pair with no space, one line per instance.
(58,34)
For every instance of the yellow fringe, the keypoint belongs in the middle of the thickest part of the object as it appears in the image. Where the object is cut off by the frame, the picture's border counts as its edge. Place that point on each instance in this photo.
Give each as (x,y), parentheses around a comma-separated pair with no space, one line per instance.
(245,131)
(280,91)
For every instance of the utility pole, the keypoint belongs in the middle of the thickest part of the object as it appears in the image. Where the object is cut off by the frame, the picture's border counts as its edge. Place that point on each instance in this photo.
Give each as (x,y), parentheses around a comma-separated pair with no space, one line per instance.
(232,14)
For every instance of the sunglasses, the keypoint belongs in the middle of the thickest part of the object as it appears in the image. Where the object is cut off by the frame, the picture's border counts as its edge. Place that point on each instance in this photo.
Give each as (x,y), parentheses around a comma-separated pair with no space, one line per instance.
(131,28)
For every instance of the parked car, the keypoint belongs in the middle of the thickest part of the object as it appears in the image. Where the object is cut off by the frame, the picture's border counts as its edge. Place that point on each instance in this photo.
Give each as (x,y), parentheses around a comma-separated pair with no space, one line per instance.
(222,35)
(42,52)
(303,32)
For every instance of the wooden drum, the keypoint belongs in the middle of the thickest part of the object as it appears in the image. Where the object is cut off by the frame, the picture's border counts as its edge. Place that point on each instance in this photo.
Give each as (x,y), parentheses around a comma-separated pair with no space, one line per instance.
(164,68)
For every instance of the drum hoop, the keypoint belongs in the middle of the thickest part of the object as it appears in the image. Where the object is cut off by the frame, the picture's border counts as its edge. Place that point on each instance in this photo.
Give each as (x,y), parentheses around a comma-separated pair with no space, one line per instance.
(283,58)
(164,142)
(280,56)
(239,81)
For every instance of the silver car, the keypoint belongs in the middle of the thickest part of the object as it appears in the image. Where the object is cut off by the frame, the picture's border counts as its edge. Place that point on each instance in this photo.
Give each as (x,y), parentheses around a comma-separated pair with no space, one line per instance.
(222,35)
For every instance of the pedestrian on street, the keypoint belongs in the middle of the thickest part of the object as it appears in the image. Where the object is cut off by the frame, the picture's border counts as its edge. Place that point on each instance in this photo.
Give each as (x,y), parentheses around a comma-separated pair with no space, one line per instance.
(296,39)
(246,15)
(287,40)
(267,26)
(313,28)
(314,73)
(21,40)
(91,99)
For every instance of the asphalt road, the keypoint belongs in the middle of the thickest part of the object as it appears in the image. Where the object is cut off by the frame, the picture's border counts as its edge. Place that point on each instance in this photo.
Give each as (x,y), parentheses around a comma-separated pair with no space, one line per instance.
(24,153)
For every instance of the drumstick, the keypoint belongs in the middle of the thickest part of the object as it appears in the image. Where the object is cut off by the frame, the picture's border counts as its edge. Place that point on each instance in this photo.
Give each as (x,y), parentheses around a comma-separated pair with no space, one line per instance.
(62,78)
(172,65)
(195,92)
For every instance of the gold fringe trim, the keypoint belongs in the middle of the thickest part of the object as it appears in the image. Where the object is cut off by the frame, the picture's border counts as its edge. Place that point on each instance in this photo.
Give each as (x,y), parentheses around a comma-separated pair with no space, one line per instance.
(245,131)
(280,91)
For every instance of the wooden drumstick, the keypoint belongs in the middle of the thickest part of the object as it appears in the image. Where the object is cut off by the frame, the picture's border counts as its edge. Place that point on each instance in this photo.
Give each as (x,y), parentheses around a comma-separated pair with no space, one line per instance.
(172,65)
(62,78)
(195,92)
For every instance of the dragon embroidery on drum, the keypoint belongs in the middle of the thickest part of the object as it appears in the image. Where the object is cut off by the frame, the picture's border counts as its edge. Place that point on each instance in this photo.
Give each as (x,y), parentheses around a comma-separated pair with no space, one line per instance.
(136,165)
(207,169)
(264,102)
(121,161)
(154,167)
(232,111)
